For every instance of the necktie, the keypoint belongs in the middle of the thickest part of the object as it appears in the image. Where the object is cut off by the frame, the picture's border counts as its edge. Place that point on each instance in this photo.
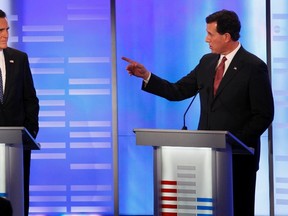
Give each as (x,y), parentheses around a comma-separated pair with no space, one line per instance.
(219,74)
(1,87)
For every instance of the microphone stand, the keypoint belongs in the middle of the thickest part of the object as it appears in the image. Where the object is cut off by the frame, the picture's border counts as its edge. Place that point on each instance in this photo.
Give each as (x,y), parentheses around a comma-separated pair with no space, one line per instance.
(184,117)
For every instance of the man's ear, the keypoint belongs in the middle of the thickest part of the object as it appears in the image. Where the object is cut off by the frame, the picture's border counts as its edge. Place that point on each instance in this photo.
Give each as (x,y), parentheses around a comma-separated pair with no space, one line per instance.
(227,37)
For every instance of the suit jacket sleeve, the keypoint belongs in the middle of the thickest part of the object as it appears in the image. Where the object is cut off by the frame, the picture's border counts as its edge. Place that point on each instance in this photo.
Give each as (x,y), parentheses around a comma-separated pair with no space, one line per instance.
(185,88)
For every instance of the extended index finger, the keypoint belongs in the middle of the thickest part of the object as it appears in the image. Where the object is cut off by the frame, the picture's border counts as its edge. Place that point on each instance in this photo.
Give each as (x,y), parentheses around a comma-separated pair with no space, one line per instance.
(128,60)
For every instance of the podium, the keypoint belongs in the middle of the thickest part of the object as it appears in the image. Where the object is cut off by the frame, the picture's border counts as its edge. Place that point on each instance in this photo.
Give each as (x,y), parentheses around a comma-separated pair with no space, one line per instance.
(12,142)
(192,170)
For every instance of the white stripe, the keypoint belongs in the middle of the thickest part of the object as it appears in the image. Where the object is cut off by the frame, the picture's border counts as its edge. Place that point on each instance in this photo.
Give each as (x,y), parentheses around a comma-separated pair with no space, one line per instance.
(52,124)
(50,92)
(53,145)
(47,209)
(30,28)
(47,70)
(88,81)
(45,188)
(91,188)
(89,60)
(91,198)
(52,113)
(52,103)
(48,198)
(90,145)
(89,134)
(87,17)
(48,156)
(89,92)
(90,123)
(90,166)
(43,39)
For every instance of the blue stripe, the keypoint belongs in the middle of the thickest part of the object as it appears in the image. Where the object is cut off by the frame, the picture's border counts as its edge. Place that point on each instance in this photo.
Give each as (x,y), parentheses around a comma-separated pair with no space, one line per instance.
(205,208)
(3,194)
(204,199)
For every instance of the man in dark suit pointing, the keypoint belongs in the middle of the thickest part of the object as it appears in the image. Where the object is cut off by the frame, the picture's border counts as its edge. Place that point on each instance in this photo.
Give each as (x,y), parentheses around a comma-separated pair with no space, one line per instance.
(242,103)
(19,104)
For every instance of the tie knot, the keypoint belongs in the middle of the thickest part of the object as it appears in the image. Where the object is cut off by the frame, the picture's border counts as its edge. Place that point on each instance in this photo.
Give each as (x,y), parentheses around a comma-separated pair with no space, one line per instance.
(223,59)
(222,63)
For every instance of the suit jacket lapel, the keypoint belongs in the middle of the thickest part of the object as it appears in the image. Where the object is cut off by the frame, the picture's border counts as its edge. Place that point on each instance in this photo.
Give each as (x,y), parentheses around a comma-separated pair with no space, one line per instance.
(9,63)
(232,70)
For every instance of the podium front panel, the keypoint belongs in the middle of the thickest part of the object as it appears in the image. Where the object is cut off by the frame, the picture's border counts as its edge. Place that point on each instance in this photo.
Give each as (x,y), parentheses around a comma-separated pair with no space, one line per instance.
(186,181)
(192,181)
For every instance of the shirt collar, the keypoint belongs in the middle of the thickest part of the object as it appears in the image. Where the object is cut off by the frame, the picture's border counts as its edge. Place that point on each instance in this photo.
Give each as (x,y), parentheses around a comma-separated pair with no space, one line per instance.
(231,55)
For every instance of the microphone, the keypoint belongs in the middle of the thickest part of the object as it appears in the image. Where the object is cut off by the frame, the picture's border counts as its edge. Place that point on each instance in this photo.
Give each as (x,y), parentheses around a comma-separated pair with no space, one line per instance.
(184,117)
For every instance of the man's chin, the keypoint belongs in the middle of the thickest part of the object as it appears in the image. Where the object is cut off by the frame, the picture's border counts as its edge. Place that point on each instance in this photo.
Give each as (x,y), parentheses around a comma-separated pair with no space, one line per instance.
(212,51)
(215,52)
(3,46)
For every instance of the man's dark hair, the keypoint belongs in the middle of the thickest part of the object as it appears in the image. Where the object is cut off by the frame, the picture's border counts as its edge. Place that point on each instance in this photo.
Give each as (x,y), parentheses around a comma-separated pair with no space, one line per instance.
(227,22)
(2,14)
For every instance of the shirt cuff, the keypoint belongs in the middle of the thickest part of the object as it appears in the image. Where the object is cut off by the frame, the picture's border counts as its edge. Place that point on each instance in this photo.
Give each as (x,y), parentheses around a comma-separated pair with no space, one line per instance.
(147,80)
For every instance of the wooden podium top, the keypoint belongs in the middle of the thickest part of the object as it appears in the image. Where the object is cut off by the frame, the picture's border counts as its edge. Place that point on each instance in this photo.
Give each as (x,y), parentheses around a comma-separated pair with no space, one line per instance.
(191,138)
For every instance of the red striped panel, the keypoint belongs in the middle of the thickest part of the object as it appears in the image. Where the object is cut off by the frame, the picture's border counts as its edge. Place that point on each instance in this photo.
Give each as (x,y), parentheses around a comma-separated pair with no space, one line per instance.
(169,198)
(166,182)
(168,190)
(169,206)
(168,214)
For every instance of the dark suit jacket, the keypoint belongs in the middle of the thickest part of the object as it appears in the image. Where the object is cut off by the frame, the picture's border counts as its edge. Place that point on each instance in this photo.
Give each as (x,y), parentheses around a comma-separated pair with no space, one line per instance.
(242,105)
(5,207)
(20,104)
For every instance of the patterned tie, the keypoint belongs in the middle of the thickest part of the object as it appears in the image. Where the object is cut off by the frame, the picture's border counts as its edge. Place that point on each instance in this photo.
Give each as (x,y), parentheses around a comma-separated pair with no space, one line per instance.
(219,74)
(1,87)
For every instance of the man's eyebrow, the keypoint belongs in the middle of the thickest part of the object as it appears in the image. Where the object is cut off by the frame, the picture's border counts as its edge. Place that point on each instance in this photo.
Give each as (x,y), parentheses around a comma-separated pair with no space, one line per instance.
(1,29)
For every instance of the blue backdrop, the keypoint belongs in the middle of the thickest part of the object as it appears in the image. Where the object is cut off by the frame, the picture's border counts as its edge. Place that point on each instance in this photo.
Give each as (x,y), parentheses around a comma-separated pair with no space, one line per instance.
(69,47)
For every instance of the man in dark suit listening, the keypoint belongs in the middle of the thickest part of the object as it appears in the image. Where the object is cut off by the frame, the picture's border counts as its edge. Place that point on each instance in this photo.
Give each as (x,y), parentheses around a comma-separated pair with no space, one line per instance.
(242,103)
(19,105)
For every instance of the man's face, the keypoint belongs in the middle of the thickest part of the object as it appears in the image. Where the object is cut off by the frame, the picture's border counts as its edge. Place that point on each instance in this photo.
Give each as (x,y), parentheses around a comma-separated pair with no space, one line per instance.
(4,33)
(215,40)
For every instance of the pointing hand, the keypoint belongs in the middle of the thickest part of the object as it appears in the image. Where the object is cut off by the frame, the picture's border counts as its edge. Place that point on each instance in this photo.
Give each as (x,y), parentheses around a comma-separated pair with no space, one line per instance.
(136,69)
